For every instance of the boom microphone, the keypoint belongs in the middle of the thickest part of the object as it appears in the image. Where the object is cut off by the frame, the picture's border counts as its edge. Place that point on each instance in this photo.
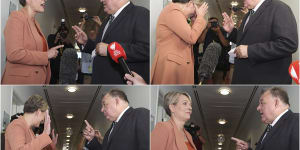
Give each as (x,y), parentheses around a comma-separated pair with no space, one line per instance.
(68,67)
(118,55)
(209,61)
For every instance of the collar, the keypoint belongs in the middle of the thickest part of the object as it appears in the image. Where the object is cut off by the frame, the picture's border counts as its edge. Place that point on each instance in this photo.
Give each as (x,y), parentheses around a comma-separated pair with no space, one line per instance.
(119,11)
(278,117)
(120,116)
(258,5)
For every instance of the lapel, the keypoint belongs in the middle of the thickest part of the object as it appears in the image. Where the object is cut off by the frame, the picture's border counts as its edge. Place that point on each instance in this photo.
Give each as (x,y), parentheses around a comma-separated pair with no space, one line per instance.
(275,129)
(253,18)
(179,140)
(117,126)
(117,20)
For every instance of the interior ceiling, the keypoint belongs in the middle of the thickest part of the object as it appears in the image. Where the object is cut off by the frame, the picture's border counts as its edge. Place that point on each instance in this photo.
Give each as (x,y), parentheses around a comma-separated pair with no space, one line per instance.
(84,104)
(209,106)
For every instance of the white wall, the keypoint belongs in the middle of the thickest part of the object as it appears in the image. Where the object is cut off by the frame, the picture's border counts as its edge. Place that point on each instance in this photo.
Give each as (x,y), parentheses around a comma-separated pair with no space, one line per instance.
(49,21)
(6,101)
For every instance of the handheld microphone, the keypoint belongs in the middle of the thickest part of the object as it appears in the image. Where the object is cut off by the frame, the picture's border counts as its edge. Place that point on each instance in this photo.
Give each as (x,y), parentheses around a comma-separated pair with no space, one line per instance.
(118,55)
(209,61)
(68,67)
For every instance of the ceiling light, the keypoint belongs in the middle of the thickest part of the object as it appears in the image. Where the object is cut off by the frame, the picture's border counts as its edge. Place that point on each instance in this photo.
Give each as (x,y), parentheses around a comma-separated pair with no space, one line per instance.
(69,116)
(220,148)
(67,143)
(221,138)
(224,91)
(67,140)
(72,89)
(234,3)
(68,136)
(82,9)
(220,143)
(222,121)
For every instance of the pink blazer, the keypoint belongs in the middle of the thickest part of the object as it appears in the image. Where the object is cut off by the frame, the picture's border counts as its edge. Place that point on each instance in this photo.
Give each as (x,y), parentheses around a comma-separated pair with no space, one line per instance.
(26,63)
(19,136)
(166,136)
(174,60)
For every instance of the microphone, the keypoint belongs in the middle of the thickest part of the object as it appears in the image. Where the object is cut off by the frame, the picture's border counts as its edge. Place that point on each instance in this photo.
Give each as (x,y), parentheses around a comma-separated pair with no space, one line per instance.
(209,61)
(68,67)
(118,55)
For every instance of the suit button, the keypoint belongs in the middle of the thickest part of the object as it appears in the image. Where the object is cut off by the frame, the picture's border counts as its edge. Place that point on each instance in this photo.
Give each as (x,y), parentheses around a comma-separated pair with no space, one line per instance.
(36,72)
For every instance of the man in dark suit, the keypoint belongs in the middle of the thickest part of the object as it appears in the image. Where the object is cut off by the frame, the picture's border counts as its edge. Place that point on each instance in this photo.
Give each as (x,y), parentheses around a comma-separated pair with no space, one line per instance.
(128,25)
(266,40)
(130,127)
(282,132)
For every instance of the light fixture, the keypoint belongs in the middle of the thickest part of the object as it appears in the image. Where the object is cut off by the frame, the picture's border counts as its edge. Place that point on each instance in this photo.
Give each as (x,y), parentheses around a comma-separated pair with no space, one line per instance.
(234,3)
(219,148)
(68,136)
(67,143)
(224,91)
(220,143)
(67,140)
(221,138)
(82,9)
(69,116)
(72,89)
(222,121)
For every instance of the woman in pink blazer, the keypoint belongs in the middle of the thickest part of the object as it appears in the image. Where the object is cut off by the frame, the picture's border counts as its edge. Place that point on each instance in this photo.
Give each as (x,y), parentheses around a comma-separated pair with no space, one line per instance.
(174,61)
(171,135)
(19,134)
(27,54)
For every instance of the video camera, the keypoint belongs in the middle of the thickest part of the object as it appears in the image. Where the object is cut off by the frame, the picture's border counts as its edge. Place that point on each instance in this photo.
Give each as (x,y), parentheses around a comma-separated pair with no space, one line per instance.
(63,30)
(86,16)
(192,128)
(214,24)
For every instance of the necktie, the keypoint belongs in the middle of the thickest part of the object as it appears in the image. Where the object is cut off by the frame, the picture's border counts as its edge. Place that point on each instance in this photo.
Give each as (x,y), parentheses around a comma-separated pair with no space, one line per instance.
(269,127)
(112,127)
(251,12)
(111,19)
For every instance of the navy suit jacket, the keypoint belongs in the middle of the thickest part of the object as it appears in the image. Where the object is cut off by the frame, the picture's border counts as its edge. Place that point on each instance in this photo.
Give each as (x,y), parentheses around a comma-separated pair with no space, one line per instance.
(284,135)
(272,37)
(131,29)
(130,133)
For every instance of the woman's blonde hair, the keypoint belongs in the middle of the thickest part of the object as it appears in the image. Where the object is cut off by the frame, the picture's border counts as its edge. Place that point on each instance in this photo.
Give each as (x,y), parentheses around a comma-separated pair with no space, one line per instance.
(34,103)
(172,98)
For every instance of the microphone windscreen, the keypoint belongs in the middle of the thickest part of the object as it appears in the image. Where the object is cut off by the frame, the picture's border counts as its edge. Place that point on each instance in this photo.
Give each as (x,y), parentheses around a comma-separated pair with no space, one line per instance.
(68,67)
(210,60)
(116,51)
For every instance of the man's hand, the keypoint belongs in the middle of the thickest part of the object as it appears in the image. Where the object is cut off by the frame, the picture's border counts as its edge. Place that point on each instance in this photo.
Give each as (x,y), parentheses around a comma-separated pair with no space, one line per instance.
(101,49)
(228,23)
(136,80)
(88,132)
(80,36)
(241,51)
(240,144)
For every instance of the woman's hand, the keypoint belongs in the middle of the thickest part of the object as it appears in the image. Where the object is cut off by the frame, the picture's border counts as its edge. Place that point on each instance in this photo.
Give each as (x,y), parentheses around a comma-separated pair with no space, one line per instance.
(202,10)
(47,124)
(52,52)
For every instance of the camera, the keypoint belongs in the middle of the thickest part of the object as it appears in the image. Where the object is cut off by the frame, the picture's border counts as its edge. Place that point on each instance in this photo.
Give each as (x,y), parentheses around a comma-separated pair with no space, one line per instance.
(192,128)
(214,24)
(86,16)
(63,31)
(236,9)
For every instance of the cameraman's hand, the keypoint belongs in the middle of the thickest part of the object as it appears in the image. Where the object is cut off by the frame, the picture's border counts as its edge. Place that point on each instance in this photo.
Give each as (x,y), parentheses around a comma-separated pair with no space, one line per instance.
(57,37)
(202,10)
(97,20)
(88,132)
(80,36)
(52,52)
(228,23)
(47,124)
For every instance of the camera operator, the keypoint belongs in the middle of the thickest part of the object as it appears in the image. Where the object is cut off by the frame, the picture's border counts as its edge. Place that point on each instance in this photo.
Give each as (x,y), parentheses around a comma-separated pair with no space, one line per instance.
(215,33)
(59,38)
(195,131)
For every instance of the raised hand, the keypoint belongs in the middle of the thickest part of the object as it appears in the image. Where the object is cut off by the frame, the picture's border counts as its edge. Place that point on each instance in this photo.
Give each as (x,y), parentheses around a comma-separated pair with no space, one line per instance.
(240,144)
(202,10)
(228,23)
(88,132)
(47,124)
(80,36)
